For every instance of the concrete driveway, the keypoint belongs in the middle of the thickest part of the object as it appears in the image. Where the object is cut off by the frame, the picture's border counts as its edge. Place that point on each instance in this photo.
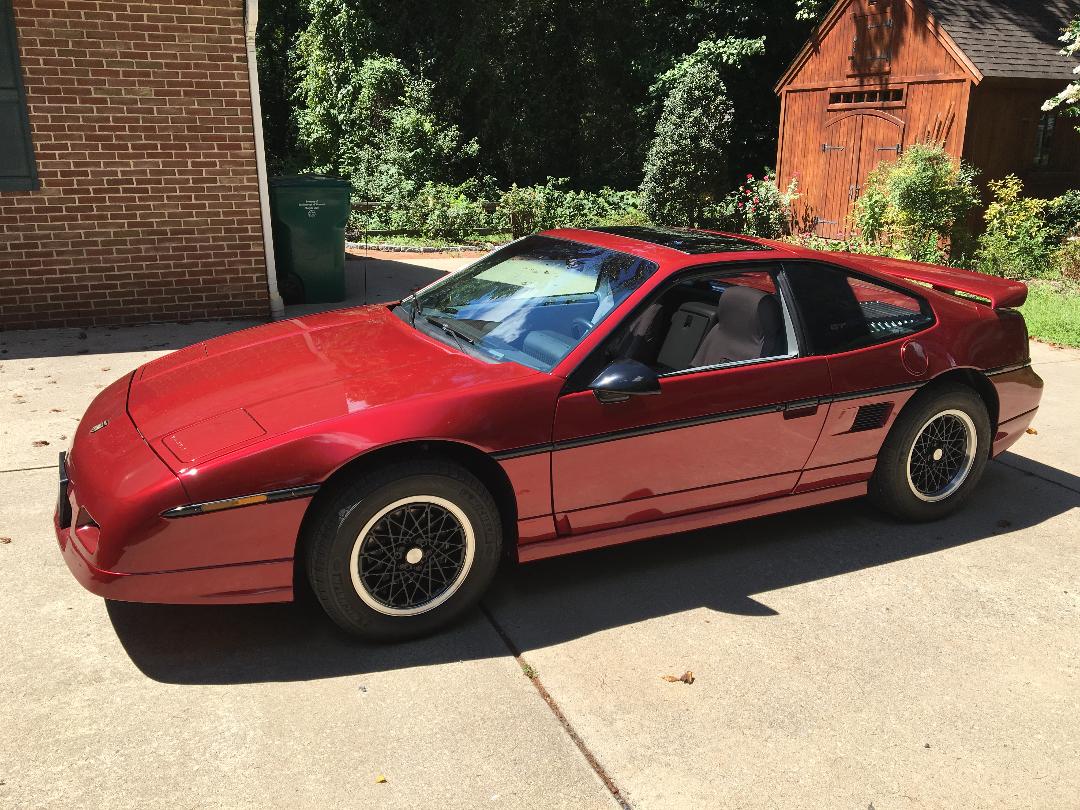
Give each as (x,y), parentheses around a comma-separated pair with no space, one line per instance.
(839,659)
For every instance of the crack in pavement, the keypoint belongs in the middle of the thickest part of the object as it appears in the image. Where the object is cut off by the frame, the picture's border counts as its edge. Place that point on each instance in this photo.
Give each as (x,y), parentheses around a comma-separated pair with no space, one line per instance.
(530,673)
(29,469)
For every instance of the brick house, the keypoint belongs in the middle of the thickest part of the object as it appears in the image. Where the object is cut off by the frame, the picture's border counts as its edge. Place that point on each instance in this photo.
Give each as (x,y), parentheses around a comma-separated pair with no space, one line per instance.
(132,184)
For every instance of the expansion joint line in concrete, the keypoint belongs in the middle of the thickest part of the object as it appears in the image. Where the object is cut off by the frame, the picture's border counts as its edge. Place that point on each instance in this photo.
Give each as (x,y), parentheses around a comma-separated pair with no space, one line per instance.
(604,776)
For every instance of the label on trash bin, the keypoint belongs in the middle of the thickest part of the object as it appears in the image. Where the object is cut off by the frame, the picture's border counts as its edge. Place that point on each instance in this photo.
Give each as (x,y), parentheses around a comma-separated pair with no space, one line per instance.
(312,207)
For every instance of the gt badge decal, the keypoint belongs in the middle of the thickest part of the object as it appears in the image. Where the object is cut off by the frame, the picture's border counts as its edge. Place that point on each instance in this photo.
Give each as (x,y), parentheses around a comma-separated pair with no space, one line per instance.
(99,426)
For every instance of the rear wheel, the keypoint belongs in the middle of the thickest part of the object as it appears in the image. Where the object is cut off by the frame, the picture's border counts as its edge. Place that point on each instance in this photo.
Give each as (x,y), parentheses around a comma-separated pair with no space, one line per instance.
(401,551)
(934,455)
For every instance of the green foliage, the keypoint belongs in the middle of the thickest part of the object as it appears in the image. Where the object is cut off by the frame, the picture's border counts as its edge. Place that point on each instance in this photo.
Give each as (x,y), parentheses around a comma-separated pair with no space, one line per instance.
(757,208)
(536,208)
(1068,261)
(1016,242)
(545,89)
(279,26)
(686,167)
(1063,216)
(914,208)
(367,117)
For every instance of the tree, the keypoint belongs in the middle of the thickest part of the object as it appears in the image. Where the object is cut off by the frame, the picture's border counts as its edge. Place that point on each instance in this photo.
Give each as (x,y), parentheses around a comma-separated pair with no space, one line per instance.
(686,169)
(1069,98)
(366,116)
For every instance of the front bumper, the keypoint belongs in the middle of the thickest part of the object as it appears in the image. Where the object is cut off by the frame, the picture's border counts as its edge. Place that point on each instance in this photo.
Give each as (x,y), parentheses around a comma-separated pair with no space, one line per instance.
(221,585)
(246,583)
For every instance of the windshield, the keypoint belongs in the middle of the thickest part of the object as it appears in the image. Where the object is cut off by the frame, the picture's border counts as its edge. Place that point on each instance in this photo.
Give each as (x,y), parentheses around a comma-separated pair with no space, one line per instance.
(533,301)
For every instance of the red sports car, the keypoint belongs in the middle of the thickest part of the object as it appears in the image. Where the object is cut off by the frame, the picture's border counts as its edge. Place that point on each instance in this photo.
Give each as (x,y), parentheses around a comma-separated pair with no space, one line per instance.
(574,389)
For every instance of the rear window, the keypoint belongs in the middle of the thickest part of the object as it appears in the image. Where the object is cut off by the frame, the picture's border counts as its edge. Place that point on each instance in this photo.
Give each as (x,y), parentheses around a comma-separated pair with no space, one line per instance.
(841,312)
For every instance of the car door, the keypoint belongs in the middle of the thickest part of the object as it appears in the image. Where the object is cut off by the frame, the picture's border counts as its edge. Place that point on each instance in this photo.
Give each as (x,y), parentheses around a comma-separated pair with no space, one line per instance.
(716,434)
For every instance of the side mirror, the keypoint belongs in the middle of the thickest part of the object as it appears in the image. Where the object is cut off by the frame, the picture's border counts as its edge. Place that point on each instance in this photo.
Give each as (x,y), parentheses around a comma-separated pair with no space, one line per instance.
(624,379)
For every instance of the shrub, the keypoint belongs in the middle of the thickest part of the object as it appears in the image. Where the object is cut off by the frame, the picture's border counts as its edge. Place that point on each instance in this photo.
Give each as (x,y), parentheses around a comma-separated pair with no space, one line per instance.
(1016,243)
(1063,216)
(757,208)
(914,208)
(1068,260)
(686,167)
(534,208)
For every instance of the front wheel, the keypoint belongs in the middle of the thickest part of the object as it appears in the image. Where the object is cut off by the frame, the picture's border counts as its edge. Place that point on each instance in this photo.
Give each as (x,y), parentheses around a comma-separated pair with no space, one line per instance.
(934,455)
(401,551)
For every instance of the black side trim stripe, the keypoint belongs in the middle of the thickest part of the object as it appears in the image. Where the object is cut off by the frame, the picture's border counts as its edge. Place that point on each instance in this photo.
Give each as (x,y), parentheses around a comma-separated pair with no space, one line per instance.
(662,427)
(694,421)
(991,372)
(529,450)
(876,392)
(273,496)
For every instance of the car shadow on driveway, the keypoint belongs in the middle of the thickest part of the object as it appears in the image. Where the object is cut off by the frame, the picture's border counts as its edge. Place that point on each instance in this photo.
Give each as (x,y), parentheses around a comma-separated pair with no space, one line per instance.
(546,603)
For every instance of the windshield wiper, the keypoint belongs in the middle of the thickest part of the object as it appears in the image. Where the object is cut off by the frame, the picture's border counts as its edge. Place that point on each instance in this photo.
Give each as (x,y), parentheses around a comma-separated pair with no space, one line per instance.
(445,326)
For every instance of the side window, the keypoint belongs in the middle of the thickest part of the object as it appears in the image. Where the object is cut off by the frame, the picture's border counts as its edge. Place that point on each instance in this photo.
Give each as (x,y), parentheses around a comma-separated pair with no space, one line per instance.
(710,319)
(841,312)
(18,170)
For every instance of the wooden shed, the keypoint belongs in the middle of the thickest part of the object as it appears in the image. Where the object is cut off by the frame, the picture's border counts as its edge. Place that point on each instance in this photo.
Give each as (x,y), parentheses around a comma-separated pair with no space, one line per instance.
(879,75)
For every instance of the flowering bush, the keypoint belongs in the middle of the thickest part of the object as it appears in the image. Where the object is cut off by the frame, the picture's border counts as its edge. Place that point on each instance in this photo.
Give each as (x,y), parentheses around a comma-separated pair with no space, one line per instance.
(757,208)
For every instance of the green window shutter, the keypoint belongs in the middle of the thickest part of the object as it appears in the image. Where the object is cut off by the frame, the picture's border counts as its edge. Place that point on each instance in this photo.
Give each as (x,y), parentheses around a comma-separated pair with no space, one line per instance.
(18,169)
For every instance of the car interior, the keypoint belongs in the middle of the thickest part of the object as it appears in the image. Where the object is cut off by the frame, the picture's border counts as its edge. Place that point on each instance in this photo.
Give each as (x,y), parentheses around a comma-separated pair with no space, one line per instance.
(709,321)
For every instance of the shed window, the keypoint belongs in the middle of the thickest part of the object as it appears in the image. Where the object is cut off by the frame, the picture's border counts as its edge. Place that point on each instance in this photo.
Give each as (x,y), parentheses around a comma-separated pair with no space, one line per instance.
(1044,136)
(866,97)
(18,169)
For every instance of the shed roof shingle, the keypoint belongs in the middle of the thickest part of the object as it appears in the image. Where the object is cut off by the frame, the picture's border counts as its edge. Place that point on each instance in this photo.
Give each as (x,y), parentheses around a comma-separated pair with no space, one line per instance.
(1010,38)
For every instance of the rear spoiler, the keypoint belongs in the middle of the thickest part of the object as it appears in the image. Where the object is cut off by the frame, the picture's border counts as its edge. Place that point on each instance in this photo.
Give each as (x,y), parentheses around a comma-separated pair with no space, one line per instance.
(999,292)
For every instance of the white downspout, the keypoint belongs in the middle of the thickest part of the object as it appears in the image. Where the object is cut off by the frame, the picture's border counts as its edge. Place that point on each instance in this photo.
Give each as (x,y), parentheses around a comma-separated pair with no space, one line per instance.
(251,22)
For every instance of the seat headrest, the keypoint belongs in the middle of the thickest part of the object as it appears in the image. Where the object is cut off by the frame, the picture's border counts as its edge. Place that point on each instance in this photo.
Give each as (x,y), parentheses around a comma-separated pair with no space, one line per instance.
(751,314)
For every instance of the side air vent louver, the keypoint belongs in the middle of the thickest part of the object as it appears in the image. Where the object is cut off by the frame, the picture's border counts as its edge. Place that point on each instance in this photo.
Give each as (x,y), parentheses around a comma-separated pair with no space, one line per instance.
(871,417)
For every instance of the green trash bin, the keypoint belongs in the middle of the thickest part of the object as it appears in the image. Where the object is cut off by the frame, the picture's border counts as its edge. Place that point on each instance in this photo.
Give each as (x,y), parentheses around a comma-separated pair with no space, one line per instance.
(308,214)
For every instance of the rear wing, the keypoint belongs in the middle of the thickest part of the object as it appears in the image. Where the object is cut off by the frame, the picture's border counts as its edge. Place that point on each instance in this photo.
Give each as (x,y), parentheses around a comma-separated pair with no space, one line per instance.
(999,292)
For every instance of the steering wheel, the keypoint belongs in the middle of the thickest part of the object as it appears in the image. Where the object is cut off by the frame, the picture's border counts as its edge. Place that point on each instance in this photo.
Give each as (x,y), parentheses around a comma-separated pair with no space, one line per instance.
(579,327)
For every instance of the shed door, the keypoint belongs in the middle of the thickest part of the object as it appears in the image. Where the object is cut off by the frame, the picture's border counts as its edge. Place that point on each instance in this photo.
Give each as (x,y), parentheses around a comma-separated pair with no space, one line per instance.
(880,140)
(841,157)
(854,144)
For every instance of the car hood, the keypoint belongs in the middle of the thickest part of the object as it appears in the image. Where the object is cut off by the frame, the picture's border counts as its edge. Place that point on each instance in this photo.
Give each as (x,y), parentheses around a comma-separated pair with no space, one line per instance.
(238,388)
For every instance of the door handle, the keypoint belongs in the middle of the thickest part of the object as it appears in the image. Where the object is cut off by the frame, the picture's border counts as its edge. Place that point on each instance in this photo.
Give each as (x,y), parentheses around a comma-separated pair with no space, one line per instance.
(798,410)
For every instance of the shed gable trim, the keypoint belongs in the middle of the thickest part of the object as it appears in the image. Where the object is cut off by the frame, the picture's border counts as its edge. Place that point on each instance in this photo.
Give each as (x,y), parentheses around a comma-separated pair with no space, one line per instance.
(836,13)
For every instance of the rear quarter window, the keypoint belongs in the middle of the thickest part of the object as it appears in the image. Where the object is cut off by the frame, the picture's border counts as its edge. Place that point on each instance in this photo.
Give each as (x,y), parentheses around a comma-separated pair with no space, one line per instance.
(841,312)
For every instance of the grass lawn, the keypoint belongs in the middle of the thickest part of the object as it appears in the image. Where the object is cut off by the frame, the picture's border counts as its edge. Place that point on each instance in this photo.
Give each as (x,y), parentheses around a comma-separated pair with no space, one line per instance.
(1052,312)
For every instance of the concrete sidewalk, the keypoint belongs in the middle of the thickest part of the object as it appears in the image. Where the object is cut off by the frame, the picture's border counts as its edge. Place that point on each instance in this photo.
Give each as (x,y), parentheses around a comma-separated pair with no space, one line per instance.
(840,660)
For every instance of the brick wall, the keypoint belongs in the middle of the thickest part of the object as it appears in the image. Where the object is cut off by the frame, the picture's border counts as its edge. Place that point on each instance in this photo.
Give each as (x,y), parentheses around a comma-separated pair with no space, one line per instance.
(148,208)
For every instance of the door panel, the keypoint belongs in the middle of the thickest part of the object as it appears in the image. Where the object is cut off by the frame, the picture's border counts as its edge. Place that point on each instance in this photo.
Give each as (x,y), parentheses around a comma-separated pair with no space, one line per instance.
(880,141)
(855,144)
(710,438)
(841,161)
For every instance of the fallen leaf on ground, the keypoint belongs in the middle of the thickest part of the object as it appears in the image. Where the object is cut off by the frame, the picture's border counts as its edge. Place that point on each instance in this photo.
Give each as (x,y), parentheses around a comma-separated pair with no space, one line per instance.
(1032,431)
(5,540)
(687,678)
(380,779)
(56,410)
(41,443)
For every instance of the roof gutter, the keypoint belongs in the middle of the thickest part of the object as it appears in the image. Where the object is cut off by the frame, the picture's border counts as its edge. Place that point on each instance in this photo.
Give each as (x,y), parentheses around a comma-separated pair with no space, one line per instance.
(251,22)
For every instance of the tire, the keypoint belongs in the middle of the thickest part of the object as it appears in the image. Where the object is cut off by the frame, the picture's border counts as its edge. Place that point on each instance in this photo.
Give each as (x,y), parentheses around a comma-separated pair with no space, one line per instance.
(376,567)
(934,455)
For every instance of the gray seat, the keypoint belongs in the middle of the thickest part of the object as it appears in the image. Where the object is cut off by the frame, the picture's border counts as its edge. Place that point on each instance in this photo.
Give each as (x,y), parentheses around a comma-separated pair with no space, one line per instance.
(749,325)
(689,325)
